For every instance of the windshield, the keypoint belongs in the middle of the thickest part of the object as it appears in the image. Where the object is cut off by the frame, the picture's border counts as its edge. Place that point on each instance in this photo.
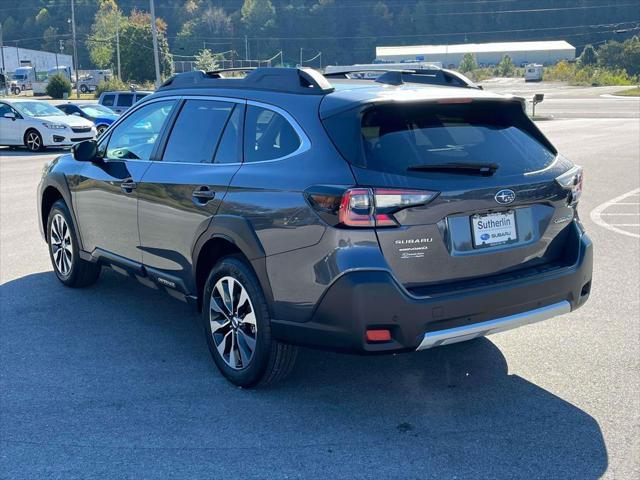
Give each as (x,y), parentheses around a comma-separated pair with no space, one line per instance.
(38,109)
(397,138)
(96,110)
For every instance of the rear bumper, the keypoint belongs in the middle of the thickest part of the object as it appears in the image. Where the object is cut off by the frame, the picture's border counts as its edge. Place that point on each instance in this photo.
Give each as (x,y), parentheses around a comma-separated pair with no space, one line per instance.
(361,300)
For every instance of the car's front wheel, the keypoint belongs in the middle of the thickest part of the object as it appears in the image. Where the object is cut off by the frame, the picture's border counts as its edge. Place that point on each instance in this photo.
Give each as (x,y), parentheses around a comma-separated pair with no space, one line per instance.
(101,129)
(238,328)
(64,250)
(33,140)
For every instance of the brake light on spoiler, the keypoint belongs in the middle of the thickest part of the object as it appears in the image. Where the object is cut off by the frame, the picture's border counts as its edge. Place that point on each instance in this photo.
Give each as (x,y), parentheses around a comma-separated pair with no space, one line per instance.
(365,207)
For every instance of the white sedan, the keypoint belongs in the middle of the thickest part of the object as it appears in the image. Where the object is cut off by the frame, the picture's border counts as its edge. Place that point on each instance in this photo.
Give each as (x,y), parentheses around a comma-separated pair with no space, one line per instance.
(36,124)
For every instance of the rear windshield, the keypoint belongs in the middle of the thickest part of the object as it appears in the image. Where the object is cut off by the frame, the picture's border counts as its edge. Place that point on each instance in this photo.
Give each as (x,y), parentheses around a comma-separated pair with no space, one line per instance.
(394,137)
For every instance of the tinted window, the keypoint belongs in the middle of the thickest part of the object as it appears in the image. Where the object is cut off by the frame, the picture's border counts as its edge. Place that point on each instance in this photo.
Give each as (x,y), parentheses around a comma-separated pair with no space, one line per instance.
(268,135)
(229,146)
(136,136)
(392,138)
(197,130)
(125,99)
(140,96)
(4,108)
(108,100)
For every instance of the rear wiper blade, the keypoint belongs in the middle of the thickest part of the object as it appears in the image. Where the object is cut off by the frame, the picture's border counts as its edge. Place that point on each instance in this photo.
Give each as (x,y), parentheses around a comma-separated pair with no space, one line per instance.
(485,169)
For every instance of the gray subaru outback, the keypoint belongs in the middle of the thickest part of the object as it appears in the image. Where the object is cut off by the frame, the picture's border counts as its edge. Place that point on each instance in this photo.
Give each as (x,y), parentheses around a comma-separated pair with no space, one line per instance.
(354,215)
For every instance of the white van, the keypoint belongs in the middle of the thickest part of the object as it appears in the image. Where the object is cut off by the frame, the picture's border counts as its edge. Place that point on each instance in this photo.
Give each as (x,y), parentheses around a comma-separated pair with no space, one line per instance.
(533,72)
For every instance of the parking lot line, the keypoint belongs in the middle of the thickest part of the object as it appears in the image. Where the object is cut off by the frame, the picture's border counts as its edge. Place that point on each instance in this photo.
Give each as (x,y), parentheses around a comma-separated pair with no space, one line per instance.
(598,212)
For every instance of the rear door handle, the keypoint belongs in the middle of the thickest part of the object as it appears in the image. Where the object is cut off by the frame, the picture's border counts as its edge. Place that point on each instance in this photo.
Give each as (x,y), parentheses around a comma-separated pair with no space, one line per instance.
(128,186)
(202,195)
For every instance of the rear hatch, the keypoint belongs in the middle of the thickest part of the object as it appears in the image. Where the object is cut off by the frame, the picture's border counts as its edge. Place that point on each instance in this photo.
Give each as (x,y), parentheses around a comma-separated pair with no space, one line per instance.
(493,204)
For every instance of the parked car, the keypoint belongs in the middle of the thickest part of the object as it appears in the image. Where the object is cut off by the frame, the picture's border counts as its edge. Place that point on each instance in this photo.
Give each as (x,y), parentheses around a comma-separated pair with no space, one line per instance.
(100,115)
(90,82)
(36,124)
(121,101)
(290,210)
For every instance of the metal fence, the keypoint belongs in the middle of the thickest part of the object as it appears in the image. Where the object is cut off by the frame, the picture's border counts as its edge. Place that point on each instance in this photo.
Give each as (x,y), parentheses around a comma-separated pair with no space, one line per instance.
(180,66)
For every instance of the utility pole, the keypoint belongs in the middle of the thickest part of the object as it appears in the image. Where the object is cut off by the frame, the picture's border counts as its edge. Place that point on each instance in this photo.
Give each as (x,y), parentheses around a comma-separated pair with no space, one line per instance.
(118,43)
(246,48)
(2,49)
(75,51)
(154,33)
(300,57)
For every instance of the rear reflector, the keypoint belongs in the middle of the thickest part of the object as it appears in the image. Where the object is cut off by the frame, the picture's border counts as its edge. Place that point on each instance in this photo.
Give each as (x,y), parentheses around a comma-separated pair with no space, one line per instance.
(378,335)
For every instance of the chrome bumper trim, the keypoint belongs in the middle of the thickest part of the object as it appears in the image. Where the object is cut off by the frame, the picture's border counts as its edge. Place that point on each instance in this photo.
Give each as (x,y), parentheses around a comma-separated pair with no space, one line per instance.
(468,332)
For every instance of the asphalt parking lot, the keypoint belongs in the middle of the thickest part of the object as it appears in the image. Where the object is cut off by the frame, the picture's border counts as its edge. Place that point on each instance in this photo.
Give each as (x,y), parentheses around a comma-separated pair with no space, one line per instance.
(115,381)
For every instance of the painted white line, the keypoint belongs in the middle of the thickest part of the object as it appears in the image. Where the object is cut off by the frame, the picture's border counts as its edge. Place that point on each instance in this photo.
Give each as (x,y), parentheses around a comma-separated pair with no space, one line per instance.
(627,203)
(625,224)
(618,214)
(596,214)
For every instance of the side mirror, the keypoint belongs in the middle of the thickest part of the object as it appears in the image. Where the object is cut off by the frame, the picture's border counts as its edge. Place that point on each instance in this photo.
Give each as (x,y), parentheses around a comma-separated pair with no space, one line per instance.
(86,151)
(10,115)
(538,98)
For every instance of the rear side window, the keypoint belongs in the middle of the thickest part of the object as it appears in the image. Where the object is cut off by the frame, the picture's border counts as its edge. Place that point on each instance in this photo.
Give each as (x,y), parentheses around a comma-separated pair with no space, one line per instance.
(125,100)
(107,100)
(229,147)
(140,96)
(268,135)
(392,138)
(197,131)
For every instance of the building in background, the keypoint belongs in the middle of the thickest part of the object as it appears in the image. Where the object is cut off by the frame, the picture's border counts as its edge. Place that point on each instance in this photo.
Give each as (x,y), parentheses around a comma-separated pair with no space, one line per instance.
(41,61)
(486,54)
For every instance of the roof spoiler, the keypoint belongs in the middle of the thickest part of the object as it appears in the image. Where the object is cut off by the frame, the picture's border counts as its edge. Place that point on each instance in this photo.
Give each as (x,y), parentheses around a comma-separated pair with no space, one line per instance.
(400,76)
(286,80)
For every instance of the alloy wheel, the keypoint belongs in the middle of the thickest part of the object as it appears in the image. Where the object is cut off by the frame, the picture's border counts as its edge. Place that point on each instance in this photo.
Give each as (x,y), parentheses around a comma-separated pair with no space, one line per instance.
(33,141)
(233,322)
(101,129)
(61,245)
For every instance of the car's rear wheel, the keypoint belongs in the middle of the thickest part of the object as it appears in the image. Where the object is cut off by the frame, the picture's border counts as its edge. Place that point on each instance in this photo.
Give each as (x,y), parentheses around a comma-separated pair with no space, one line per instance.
(238,329)
(33,140)
(84,89)
(64,250)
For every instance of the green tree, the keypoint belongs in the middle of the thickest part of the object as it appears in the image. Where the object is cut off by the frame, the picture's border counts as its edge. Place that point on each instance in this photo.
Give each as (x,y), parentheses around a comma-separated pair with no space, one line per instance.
(102,41)
(631,56)
(506,68)
(610,54)
(468,63)
(588,57)
(206,60)
(136,50)
(258,15)
(212,23)
(57,85)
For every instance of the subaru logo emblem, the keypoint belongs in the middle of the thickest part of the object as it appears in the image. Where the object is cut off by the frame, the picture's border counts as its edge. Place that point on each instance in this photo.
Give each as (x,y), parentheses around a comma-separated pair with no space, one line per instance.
(505,197)
(485,236)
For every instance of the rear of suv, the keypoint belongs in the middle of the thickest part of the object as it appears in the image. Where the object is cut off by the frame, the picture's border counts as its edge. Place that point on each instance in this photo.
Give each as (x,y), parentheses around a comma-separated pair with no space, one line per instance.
(359,216)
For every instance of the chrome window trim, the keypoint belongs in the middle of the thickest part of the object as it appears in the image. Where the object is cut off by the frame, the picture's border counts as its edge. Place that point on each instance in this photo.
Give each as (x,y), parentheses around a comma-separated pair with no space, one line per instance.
(305,143)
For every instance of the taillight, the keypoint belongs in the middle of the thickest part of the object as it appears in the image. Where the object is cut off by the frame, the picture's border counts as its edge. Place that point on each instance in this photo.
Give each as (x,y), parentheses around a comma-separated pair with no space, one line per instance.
(364,207)
(572,180)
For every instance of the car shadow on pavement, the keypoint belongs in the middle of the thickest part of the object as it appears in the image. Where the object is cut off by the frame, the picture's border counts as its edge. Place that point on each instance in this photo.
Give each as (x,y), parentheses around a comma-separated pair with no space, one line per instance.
(118,371)
(24,152)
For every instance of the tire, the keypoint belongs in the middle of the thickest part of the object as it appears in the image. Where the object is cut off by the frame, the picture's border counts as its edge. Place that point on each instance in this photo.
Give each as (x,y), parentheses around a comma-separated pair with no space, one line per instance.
(64,250)
(84,89)
(101,129)
(229,336)
(16,90)
(33,140)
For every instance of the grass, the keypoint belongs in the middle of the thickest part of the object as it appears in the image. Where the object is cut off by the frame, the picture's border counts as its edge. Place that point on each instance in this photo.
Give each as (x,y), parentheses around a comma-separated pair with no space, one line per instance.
(632,92)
